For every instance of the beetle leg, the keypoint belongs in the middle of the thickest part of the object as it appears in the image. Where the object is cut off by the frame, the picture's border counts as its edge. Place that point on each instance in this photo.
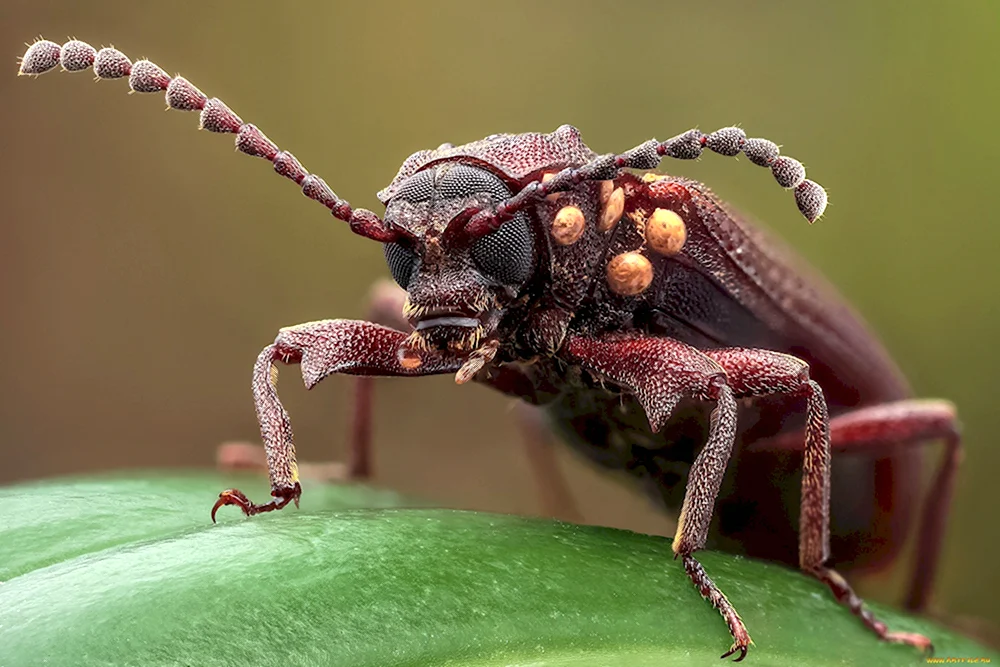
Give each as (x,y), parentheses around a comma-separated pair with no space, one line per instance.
(660,372)
(385,306)
(386,302)
(554,496)
(755,373)
(321,349)
(704,481)
(907,423)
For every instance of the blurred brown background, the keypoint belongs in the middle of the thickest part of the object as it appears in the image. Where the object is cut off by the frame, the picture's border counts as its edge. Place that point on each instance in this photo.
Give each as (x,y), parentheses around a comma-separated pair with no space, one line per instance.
(145,265)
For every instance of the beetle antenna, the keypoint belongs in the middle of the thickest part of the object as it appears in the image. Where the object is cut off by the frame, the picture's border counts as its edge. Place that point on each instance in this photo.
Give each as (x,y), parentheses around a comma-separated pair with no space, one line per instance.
(147,77)
(731,141)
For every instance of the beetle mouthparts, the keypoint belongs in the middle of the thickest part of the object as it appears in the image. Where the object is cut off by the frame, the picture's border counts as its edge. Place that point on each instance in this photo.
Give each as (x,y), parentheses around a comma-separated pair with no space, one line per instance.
(465,322)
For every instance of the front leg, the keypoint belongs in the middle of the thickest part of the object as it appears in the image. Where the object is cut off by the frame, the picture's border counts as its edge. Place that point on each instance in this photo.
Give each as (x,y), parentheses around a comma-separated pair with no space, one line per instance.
(321,349)
(660,372)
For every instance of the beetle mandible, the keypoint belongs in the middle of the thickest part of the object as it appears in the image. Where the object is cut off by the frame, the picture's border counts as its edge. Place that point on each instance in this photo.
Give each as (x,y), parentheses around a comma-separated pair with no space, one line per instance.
(659,333)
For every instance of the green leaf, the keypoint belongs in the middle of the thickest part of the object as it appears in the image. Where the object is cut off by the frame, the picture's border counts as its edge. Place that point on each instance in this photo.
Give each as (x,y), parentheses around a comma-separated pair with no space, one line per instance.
(131,571)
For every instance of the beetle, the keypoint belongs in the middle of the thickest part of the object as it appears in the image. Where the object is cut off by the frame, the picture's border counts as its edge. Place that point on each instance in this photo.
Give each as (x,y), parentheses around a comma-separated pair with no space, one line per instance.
(658,332)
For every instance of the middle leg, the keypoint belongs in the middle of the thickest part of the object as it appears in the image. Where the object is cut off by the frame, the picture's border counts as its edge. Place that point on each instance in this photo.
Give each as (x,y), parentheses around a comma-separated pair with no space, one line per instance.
(659,372)
(903,426)
(754,373)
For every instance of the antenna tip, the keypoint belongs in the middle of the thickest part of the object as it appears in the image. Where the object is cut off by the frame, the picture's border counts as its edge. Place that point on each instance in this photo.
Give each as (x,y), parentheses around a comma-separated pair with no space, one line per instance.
(811,199)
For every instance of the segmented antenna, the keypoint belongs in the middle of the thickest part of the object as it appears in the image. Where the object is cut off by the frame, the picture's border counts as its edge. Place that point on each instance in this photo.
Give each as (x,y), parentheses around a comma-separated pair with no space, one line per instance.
(147,77)
(730,141)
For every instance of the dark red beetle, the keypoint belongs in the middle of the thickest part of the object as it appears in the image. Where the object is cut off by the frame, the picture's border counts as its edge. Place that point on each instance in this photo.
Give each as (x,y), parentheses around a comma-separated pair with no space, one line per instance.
(657,330)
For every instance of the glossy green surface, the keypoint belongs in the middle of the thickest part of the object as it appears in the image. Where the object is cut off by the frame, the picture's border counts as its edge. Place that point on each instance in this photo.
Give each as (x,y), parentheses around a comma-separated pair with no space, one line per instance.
(130,571)
(57,520)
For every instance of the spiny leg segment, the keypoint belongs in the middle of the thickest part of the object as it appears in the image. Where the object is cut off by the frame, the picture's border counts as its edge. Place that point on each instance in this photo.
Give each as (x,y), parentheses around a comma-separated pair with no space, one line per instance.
(320,349)
(660,372)
(756,373)
(147,77)
(385,307)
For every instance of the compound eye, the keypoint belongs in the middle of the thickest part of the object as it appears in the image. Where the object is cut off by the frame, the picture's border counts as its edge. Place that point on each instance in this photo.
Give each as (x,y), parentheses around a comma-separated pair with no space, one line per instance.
(401,261)
(506,255)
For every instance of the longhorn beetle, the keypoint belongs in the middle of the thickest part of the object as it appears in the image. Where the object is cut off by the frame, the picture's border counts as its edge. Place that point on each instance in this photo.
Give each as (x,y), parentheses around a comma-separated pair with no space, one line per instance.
(656,330)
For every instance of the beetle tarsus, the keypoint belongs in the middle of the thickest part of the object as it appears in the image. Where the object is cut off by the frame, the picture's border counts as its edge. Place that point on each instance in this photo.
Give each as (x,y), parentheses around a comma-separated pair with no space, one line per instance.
(742,653)
(846,596)
(236,497)
(711,592)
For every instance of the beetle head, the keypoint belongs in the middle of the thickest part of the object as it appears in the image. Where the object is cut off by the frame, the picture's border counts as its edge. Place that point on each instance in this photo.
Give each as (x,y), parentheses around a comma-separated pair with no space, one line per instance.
(457,287)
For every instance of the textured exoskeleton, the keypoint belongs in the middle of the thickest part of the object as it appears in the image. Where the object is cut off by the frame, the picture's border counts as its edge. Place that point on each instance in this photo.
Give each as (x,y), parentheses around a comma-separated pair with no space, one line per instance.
(660,333)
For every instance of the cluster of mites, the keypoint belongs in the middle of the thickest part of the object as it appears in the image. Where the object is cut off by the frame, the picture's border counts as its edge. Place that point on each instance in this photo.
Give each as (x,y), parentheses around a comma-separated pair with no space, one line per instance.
(629,273)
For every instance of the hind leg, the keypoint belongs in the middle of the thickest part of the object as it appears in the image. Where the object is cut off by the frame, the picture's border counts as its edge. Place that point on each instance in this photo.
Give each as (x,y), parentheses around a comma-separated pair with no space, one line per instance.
(907,424)
(555,498)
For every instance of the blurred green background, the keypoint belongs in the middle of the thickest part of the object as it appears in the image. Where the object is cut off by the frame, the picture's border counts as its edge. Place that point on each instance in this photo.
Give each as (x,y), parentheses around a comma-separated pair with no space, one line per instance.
(144,264)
